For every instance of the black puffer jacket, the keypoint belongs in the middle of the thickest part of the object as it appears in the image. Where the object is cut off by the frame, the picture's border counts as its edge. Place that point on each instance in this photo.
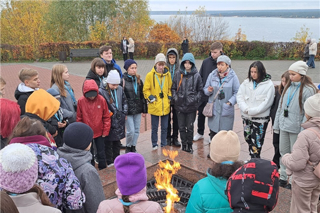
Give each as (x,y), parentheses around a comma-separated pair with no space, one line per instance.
(136,102)
(95,77)
(117,130)
(187,98)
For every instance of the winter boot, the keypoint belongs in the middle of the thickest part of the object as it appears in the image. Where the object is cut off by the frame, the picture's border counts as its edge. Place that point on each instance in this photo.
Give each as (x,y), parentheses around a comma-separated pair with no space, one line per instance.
(133,149)
(128,149)
(169,142)
(175,142)
(189,148)
(184,147)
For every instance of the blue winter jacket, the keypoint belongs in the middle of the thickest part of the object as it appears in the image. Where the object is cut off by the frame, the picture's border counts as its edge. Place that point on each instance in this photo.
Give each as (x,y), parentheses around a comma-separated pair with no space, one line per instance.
(208,196)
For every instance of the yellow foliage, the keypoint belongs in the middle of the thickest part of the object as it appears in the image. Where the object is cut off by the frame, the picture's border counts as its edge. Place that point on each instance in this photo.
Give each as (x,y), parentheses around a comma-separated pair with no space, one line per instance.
(164,34)
(98,32)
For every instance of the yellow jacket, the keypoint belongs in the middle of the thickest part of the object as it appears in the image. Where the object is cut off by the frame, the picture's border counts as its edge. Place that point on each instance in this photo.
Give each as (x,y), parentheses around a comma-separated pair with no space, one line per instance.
(161,106)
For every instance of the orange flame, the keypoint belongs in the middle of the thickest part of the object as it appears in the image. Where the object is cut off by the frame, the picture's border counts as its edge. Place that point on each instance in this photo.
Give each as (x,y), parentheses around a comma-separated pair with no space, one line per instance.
(163,177)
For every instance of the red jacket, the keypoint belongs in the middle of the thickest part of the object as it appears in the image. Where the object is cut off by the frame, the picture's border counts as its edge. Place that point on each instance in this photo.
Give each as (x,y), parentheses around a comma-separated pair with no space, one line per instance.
(94,113)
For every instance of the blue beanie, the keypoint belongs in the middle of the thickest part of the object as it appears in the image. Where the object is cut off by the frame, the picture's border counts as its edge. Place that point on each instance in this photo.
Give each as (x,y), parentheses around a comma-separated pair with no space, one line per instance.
(128,63)
(78,135)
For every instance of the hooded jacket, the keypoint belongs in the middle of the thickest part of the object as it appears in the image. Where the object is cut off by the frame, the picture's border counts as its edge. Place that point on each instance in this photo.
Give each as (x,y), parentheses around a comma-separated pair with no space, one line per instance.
(112,65)
(136,102)
(117,130)
(173,69)
(161,106)
(94,113)
(306,148)
(256,101)
(208,196)
(57,178)
(187,94)
(22,94)
(313,47)
(88,176)
(95,77)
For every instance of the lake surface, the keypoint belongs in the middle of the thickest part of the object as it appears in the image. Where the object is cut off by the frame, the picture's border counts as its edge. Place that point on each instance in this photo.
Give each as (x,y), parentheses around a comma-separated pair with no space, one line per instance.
(269,29)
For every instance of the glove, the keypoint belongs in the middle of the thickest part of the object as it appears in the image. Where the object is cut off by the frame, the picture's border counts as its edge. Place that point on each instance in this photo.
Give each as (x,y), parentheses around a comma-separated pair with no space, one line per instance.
(151,98)
(170,98)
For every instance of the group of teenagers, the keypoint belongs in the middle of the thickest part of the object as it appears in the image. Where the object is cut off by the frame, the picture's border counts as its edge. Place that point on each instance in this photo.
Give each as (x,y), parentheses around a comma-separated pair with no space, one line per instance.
(64,134)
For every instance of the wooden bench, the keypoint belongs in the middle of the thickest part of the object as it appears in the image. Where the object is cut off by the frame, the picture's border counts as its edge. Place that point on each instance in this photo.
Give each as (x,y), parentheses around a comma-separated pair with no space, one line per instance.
(84,53)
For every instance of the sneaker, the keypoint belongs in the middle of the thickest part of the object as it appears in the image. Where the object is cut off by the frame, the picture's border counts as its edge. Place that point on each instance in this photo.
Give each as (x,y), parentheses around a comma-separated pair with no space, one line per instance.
(197,137)
(122,146)
(283,183)
(110,165)
(155,148)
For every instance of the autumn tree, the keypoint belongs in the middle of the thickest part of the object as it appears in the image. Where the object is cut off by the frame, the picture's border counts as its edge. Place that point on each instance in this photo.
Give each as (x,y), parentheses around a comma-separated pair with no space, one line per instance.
(163,33)
(240,36)
(180,24)
(302,35)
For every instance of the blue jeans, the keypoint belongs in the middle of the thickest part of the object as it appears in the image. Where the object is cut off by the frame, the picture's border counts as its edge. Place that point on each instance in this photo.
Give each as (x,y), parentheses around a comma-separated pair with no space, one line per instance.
(164,128)
(310,62)
(132,129)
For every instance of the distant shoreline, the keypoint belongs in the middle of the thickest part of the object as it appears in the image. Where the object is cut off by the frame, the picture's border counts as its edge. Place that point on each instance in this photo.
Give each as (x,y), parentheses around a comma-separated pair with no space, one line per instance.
(311,13)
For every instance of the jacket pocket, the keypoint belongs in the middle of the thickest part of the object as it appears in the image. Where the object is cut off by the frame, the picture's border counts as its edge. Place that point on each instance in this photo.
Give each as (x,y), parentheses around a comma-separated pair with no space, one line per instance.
(227,110)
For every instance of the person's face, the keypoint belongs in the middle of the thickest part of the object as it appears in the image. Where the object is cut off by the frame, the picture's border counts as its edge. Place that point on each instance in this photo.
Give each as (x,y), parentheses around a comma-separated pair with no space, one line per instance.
(99,70)
(187,66)
(33,82)
(107,55)
(160,67)
(283,82)
(254,73)
(92,98)
(124,38)
(222,67)
(65,74)
(294,76)
(88,148)
(132,70)
(172,59)
(113,86)
(215,53)
(2,91)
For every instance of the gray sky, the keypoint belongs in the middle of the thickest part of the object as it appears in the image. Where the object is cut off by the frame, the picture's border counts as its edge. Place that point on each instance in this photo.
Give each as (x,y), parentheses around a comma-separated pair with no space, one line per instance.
(175,5)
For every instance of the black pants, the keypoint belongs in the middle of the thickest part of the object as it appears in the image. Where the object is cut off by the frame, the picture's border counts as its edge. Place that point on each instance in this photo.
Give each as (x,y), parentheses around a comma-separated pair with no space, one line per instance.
(112,150)
(174,126)
(212,134)
(186,121)
(201,118)
(125,56)
(99,142)
(276,157)
(131,55)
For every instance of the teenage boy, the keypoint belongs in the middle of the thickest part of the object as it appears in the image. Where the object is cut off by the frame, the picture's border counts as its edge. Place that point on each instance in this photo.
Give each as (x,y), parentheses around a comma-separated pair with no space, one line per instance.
(173,65)
(29,83)
(208,65)
(124,48)
(106,56)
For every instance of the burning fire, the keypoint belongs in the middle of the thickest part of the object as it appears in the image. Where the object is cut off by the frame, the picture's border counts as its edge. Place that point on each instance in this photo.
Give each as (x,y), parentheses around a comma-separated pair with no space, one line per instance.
(163,177)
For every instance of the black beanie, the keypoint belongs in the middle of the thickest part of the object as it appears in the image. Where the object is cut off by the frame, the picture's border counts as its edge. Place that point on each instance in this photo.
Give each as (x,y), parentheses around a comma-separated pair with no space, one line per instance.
(78,135)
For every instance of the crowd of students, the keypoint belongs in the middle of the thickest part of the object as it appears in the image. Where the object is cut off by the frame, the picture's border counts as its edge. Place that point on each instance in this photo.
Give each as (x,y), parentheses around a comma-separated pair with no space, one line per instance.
(60,134)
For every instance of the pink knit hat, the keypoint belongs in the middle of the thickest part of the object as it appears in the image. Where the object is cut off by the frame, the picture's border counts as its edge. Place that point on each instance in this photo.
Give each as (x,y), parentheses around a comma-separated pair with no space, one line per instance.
(18,168)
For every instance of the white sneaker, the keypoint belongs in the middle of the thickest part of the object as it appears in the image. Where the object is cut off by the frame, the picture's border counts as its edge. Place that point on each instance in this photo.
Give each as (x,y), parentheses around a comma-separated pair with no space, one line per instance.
(110,165)
(197,137)
(155,148)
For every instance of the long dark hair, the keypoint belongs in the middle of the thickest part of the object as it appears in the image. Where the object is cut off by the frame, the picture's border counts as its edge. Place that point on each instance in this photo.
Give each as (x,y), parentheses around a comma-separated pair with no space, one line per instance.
(224,170)
(305,81)
(125,198)
(260,70)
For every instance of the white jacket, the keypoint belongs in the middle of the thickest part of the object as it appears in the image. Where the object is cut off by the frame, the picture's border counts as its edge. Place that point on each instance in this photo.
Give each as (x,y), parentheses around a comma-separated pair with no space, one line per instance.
(255,102)
(313,47)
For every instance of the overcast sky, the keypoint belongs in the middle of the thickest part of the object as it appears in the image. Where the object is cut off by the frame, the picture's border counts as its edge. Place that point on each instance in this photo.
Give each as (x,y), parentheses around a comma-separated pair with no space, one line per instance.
(175,5)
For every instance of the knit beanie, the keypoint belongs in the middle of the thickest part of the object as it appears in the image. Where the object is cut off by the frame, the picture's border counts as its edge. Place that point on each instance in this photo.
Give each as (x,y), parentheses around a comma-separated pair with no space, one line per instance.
(225,59)
(128,63)
(18,168)
(254,187)
(225,146)
(131,173)
(312,106)
(53,92)
(300,67)
(78,135)
(160,58)
(113,77)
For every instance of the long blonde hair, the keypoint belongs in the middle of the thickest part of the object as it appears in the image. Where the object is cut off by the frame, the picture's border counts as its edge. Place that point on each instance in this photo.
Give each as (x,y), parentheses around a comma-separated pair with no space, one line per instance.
(131,41)
(56,78)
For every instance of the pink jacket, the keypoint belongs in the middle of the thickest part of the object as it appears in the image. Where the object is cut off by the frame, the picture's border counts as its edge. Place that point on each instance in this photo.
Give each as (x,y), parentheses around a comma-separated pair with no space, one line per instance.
(307,147)
(143,206)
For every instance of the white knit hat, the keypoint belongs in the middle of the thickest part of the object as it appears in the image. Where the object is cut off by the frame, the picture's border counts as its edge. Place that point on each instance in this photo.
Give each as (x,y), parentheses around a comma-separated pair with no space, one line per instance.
(225,146)
(300,67)
(312,106)
(113,77)
(225,59)
(160,58)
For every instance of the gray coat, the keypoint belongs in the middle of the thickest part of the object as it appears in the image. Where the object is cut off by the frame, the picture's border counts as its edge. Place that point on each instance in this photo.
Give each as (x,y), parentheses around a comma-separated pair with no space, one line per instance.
(66,104)
(295,117)
(88,176)
(223,114)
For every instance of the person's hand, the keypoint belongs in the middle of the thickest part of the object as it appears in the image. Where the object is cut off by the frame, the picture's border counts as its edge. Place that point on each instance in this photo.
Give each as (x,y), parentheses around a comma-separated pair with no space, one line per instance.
(210,89)
(55,134)
(229,103)
(151,98)
(62,125)
(143,114)
(103,136)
